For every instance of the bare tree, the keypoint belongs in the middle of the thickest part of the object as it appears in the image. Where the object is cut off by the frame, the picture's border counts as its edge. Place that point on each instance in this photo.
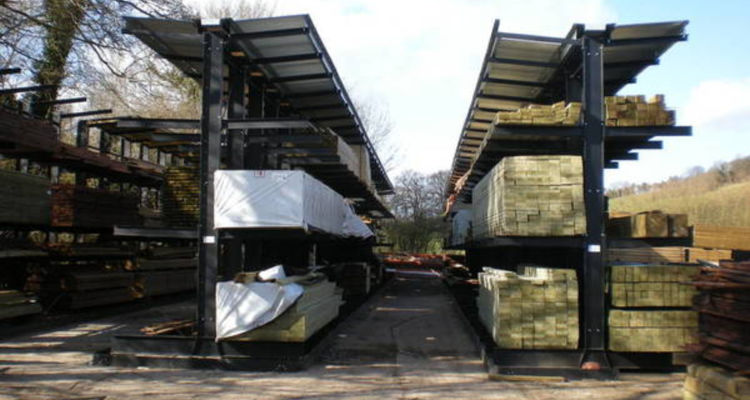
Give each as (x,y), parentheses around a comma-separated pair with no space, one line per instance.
(418,205)
(242,9)
(377,121)
(78,40)
(154,88)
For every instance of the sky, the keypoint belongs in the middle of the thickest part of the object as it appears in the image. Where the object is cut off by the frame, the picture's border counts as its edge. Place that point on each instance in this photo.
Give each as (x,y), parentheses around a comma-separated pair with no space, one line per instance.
(420,60)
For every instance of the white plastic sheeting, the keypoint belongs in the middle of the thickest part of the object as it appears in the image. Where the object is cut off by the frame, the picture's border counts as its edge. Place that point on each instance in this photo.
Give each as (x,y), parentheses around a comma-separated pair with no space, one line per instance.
(242,307)
(461,227)
(281,199)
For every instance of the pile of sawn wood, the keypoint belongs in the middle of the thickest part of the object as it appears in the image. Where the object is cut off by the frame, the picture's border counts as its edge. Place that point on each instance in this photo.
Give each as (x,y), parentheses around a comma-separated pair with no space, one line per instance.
(723,304)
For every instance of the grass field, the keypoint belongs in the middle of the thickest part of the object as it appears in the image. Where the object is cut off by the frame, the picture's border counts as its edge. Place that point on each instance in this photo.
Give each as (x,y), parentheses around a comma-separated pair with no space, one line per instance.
(726,205)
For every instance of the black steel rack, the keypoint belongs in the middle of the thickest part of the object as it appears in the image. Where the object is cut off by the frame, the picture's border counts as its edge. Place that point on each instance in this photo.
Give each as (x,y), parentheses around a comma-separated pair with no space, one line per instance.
(269,86)
(584,66)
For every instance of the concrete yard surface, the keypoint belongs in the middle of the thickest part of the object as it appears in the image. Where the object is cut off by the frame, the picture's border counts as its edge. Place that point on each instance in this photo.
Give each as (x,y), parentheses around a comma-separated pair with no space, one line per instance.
(407,342)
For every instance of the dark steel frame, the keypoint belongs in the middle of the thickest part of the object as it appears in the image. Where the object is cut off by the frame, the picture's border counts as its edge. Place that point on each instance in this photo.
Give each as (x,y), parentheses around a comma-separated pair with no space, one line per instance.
(592,359)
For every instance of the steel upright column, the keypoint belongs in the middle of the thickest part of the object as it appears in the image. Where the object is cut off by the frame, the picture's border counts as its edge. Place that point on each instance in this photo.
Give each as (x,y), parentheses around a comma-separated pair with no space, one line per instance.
(593,161)
(234,260)
(208,255)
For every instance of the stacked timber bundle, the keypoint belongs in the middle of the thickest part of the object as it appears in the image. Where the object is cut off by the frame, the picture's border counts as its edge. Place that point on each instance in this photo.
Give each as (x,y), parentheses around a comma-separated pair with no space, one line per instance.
(181,200)
(365,169)
(24,198)
(79,206)
(620,111)
(666,255)
(537,114)
(530,196)
(14,303)
(648,224)
(536,310)
(711,382)
(355,278)
(653,313)
(165,270)
(731,238)
(636,111)
(316,308)
(85,288)
(724,307)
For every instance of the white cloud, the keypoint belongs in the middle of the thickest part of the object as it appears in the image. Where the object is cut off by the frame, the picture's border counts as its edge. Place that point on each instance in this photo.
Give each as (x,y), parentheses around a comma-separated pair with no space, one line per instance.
(719,112)
(720,105)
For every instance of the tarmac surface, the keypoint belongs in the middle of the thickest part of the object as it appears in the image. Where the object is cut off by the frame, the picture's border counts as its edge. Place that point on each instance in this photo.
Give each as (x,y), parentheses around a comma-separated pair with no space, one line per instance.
(408,341)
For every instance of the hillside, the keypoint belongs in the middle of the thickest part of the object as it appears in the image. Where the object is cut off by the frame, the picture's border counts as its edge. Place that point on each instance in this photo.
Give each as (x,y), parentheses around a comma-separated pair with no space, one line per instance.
(719,196)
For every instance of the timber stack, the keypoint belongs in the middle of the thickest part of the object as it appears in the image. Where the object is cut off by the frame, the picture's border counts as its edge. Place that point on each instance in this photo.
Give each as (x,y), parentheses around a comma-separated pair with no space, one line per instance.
(619,111)
(724,307)
(316,308)
(535,310)
(80,206)
(14,303)
(652,308)
(164,270)
(648,224)
(723,304)
(530,196)
(25,198)
(181,201)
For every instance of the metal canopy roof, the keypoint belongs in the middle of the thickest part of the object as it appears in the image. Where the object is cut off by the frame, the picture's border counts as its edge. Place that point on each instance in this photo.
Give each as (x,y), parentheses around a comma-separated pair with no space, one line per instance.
(288,52)
(519,70)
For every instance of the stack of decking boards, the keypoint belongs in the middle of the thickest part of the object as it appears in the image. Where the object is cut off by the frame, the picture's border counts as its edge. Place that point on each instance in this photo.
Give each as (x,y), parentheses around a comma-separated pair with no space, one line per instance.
(80,206)
(651,308)
(723,303)
(318,306)
(620,111)
(24,198)
(535,310)
(647,224)
(14,303)
(181,196)
(530,196)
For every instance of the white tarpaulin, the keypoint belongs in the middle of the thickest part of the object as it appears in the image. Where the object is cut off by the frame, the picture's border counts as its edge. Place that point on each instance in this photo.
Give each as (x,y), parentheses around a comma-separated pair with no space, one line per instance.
(281,199)
(242,307)
(354,227)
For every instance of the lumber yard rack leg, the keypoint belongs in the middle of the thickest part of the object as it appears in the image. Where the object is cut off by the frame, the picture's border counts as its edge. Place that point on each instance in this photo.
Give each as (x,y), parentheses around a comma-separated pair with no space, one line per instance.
(594,312)
(234,260)
(211,124)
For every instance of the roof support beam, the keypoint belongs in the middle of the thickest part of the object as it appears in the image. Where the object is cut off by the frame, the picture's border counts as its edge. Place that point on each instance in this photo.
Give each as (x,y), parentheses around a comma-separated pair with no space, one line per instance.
(298,78)
(537,38)
(159,123)
(483,96)
(7,71)
(312,94)
(527,63)
(85,113)
(648,40)
(36,88)
(512,82)
(285,59)
(268,34)
(267,123)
